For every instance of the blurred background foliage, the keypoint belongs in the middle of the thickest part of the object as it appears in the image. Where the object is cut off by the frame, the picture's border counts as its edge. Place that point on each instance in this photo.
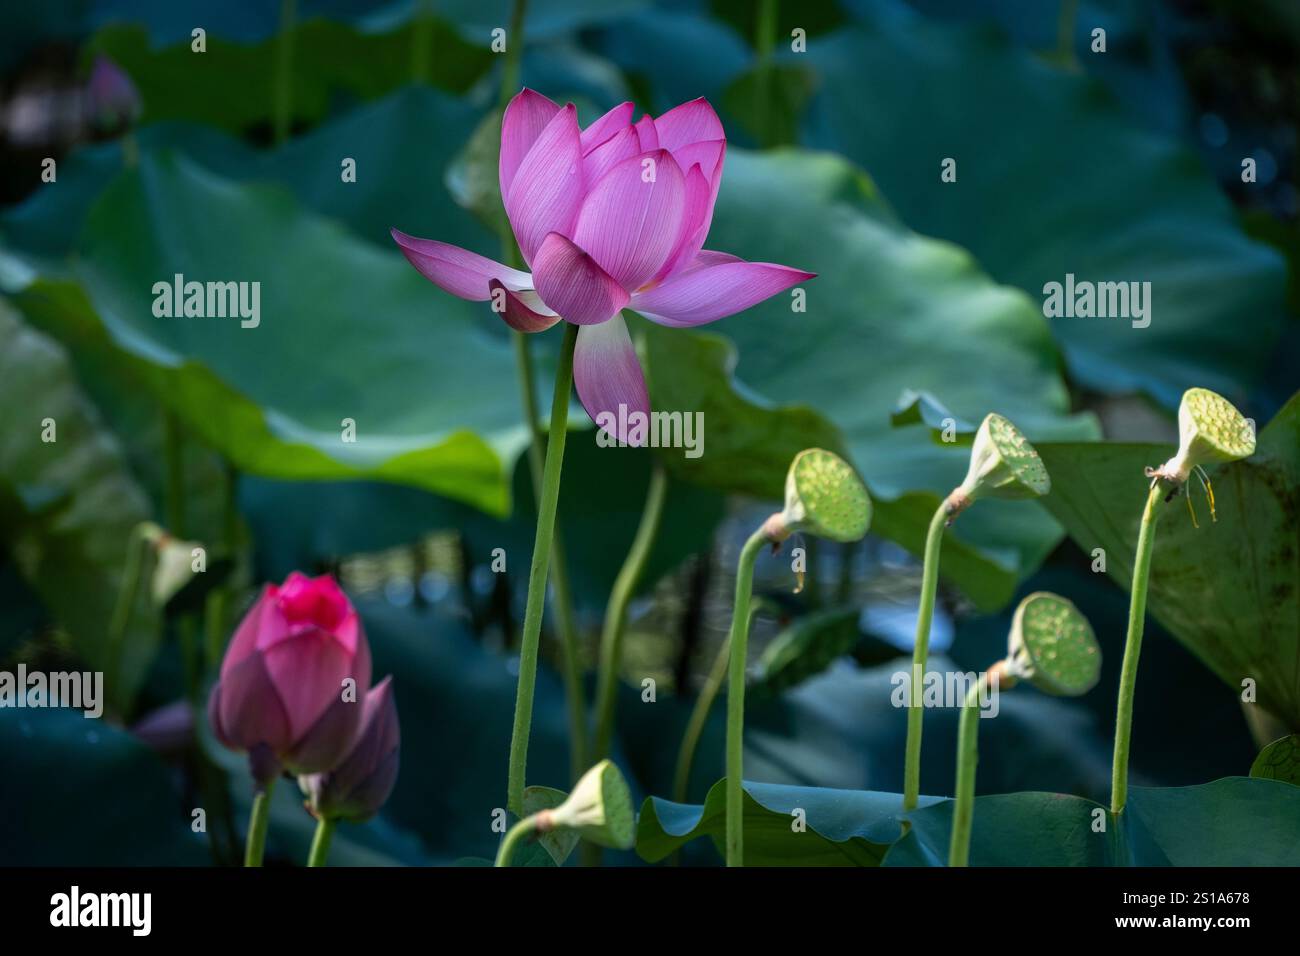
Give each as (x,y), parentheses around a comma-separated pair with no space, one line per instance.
(1123,165)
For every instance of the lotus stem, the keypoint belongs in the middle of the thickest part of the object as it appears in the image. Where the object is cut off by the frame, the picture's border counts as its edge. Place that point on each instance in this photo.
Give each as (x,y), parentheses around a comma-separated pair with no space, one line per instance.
(1133,647)
(421,41)
(920,656)
(124,604)
(565,622)
(546,505)
(524,828)
(255,845)
(283,103)
(611,637)
(764,43)
(320,842)
(565,625)
(514,51)
(699,717)
(963,813)
(739,646)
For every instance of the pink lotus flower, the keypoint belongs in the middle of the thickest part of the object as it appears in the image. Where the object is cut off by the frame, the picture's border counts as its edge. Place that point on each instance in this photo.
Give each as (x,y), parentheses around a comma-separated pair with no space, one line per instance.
(609,217)
(362,782)
(281,695)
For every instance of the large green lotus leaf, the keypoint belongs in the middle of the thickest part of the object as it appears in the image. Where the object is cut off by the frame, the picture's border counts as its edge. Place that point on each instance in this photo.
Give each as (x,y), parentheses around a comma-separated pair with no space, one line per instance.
(169,22)
(347,332)
(230,85)
(417,130)
(1236,821)
(1226,589)
(865,255)
(745,444)
(889,311)
(68,507)
(1071,184)
(845,728)
(835,828)
(1280,760)
(1012,829)
(82,792)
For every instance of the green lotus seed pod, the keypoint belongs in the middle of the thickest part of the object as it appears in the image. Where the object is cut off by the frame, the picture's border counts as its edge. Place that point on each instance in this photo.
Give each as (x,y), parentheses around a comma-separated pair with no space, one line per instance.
(1210,430)
(600,808)
(1003,464)
(1052,646)
(824,496)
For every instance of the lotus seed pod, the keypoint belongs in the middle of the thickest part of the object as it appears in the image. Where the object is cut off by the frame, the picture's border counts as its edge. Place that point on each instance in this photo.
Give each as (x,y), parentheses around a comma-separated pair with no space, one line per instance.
(1210,430)
(1052,646)
(824,496)
(1003,464)
(600,808)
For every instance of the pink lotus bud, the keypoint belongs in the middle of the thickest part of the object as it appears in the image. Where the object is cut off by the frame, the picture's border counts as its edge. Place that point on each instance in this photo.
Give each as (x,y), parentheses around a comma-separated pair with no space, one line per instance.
(358,787)
(111,98)
(294,679)
(168,729)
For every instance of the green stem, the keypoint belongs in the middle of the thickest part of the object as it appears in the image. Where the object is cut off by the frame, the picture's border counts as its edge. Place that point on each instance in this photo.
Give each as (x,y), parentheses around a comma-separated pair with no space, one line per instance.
(844,593)
(920,655)
(421,42)
(739,641)
(765,43)
(565,623)
(1065,22)
(283,101)
(320,842)
(124,603)
(1133,648)
(514,50)
(963,812)
(514,835)
(537,574)
(699,717)
(255,846)
(174,501)
(565,619)
(611,636)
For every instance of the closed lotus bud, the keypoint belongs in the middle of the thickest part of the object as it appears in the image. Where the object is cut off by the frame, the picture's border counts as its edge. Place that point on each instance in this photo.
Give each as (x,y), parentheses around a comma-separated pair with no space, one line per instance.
(1052,646)
(168,729)
(1002,465)
(111,98)
(293,679)
(599,809)
(824,497)
(1210,431)
(361,784)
